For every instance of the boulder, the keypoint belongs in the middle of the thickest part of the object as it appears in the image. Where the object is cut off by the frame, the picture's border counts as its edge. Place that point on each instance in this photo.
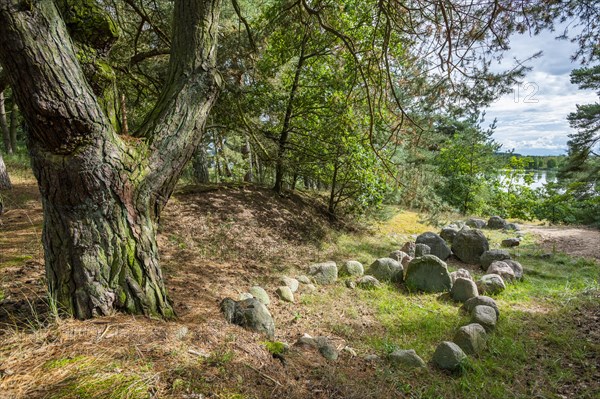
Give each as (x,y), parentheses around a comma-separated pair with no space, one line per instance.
(290,282)
(437,244)
(512,227)
(462,273)
(449,356)
(387,269)
(484,315)
(422,249)
(463,289)
(285,293)
(470,304)
(409,248)
(245,295)
(471,338)
(496,223)
(406,260)
(324,273)
(491,284)
(510,242)
(476,223)
(469,245)
(516,267)
(368,282)
(449,232)
(326,348)
(260,294)
(428,273)
(352,268)
(407,358)
(304,279)
(492,255)
(502,269)
(249,313)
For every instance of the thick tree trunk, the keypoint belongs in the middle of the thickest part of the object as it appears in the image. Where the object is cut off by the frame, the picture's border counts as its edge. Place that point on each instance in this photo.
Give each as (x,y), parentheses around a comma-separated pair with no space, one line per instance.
(4,126)
(4,178)
(101,196)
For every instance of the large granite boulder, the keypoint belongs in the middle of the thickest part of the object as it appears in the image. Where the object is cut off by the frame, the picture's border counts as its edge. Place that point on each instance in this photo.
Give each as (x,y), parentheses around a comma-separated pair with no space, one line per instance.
(437,244)
(324,273)
(428,273)
(449,356)
(491,284)
(249,313)
(469,245)
(471,338)
(492,255)
(463,289)
(387,269)
(496,223)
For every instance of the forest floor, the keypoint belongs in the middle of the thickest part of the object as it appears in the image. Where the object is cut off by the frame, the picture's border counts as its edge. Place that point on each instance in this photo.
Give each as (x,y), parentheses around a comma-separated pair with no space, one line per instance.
(217,241)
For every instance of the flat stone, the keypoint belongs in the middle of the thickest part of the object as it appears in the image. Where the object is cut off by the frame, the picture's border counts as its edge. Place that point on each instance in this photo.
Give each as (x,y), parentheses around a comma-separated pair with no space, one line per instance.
(448,356)
(407,358)
(285,293)
(484,315)
(471,338)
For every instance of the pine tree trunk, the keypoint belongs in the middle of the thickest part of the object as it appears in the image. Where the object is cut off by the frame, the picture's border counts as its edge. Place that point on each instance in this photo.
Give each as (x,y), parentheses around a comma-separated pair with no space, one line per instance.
(4,125)
(200,165)
(4,178)
(102,197)
(13,127)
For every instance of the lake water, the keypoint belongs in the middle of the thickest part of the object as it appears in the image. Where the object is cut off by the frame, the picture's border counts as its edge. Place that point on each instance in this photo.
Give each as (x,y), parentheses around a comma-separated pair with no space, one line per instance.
(540,177)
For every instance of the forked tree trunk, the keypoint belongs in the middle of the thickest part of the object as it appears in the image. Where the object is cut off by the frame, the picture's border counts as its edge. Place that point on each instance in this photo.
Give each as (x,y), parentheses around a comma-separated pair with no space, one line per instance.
(101,196)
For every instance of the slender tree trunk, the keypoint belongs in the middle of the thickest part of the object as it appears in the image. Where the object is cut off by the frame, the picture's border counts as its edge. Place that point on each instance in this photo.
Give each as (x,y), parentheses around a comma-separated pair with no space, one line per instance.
(101,196)
(13,127)
(285,130)
(4,126)
(200,165)
(124,123)
(332,202)
(4,178)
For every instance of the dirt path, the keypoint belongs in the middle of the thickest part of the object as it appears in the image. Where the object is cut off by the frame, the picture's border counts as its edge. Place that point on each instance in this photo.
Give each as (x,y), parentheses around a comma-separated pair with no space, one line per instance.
(577,241)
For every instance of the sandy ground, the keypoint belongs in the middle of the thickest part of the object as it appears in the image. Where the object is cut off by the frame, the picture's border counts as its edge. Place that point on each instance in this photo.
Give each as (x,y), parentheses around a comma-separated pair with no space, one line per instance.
(576,241)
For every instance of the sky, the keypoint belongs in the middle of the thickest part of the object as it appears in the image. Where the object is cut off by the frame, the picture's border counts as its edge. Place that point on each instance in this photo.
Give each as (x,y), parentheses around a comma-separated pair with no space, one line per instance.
(532,119)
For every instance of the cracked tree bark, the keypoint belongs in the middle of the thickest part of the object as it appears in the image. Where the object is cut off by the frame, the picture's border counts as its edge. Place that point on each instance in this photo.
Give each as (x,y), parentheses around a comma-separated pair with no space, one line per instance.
(102,196)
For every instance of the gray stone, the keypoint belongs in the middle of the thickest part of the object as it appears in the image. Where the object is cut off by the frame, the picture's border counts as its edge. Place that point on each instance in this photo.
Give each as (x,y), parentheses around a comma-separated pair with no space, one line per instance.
(324,273)
(306,340)
(422,249)
(409,247)
(285,293)
(292,283)
(406,260)
(471,338)
(352,268)
(470,304)
(245,295)
(468,245)
(387,269)
(463,289)
(484,315)
(350,284)
(496,223)
(510,242)
(260,294)
(398,255)
(516,267)
(512,226)
(326,348)
(492,255)
(462,273)
(449,232)
(502,269)
(437,244)
(491,284)
(249,313)
(449,356)
(428,273)
(304,279)
(368,282)
(407,358)
(310,287)
(371,358)
(476,223)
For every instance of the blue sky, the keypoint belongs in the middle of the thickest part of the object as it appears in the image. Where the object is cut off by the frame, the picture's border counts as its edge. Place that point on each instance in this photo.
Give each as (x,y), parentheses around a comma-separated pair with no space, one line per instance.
(533,122)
